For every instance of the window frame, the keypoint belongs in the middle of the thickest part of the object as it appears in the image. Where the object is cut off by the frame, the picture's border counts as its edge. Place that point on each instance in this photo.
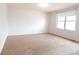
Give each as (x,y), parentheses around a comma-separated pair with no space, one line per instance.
(65,21)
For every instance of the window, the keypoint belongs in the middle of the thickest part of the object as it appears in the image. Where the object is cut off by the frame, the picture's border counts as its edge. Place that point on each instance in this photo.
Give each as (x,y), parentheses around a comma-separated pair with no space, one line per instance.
(60,22)
(66,21)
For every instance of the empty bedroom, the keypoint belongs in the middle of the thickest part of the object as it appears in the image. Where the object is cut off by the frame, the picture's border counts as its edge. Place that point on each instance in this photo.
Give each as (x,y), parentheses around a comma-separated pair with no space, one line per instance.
(39,28)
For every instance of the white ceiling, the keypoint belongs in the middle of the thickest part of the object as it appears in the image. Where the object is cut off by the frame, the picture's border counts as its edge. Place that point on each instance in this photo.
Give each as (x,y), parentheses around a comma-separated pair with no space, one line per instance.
(51,7)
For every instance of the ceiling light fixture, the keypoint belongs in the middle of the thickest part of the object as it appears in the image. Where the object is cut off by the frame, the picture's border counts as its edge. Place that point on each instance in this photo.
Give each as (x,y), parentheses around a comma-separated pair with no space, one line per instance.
(44,5)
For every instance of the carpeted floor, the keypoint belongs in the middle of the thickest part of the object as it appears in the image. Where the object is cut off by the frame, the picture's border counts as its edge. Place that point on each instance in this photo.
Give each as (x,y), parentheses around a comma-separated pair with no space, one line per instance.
(41,44)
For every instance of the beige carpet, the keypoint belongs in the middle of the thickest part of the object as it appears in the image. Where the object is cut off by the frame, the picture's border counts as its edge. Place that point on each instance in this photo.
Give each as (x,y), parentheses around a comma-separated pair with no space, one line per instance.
(42,44)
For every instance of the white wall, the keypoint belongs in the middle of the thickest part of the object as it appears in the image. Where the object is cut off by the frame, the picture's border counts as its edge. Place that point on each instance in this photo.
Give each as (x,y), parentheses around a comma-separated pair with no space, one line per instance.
(64,33)
(26,21)
(3,25)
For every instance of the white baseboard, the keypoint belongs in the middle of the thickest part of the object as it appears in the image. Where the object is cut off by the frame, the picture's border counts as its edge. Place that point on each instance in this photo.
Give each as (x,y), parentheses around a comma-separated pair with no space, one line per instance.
(27,34)
(2,45)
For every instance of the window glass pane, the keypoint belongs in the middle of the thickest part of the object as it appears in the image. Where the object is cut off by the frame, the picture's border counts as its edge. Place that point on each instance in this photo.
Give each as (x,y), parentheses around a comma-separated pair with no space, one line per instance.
(71,18)
(66,20)
(60,25)
(61,18)
(70,26)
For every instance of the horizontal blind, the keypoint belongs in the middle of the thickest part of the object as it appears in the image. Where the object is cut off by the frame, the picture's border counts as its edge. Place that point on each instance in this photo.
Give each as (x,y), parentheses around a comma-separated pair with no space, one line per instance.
(67,13)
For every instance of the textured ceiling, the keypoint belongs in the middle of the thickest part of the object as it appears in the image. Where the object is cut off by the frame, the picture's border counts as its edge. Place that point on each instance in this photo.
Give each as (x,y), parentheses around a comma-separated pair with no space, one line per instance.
(51,7)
